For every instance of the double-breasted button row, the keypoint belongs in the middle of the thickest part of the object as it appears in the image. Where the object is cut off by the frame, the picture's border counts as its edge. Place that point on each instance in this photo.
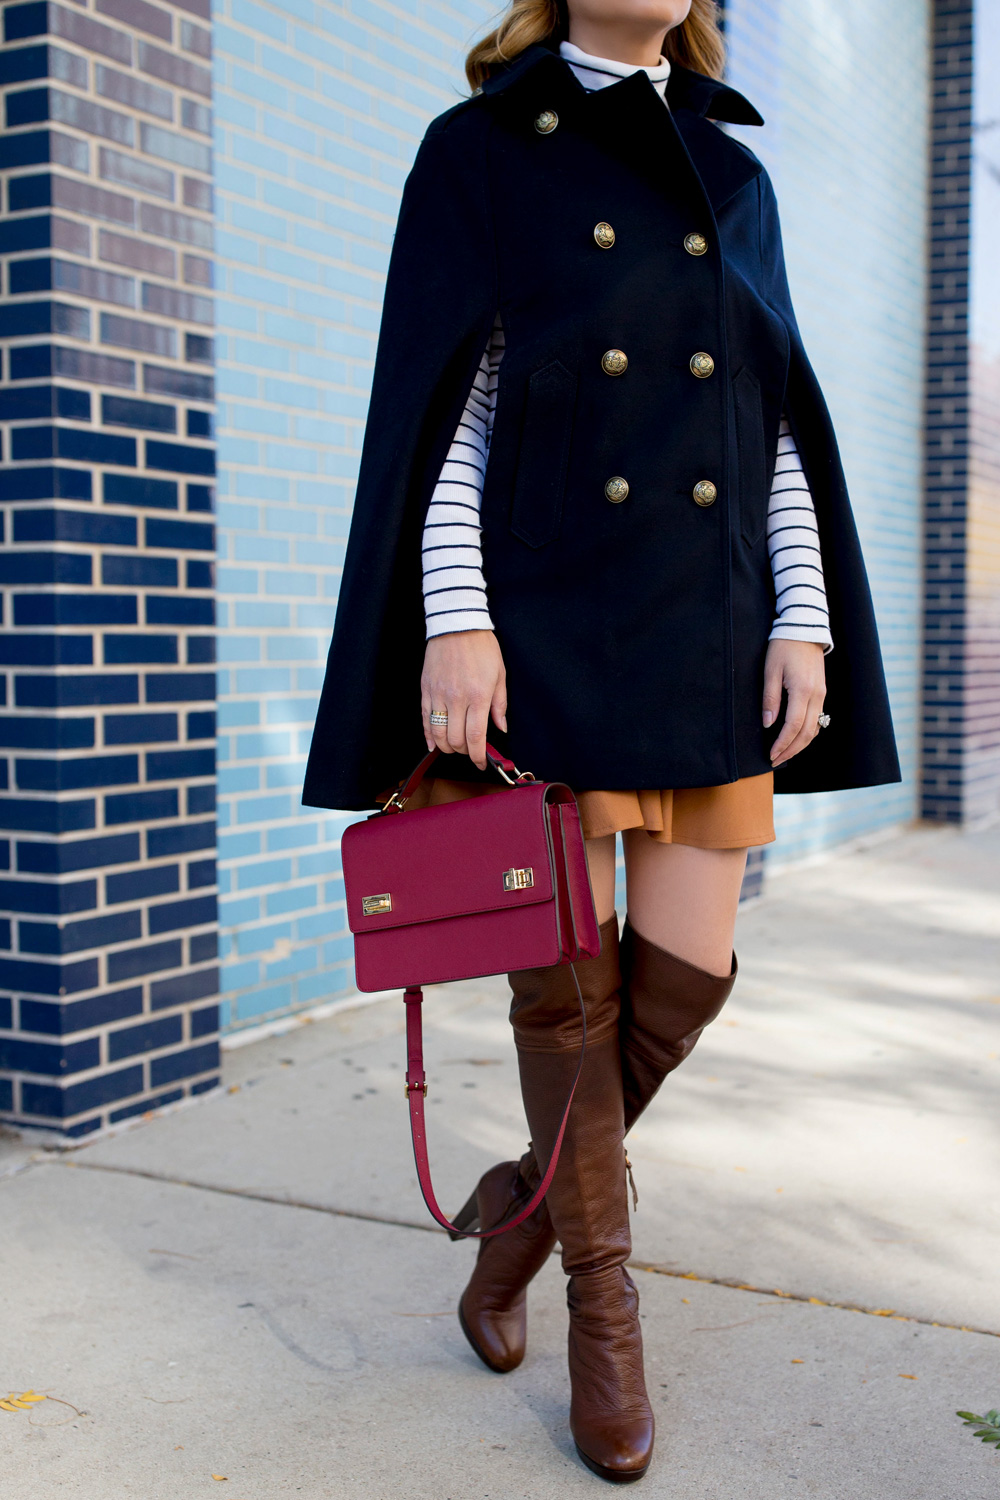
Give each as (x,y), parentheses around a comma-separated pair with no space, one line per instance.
(704,493)
(604,234)
(615,362)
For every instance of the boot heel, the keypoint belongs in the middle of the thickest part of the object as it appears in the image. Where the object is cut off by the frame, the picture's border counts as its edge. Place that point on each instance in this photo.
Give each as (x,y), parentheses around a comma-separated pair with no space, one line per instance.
(468,1218)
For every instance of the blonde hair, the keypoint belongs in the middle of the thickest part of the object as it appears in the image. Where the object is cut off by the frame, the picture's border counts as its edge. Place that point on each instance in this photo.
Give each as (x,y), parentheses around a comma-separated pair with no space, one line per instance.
(696,43)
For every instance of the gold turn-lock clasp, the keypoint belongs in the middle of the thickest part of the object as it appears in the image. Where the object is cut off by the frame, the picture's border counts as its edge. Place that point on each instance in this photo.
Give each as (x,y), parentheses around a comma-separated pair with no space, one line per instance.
(371,906)
(519,880)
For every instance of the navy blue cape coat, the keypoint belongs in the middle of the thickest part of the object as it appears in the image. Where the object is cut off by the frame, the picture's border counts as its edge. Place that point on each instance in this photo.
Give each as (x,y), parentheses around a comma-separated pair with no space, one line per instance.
(634,634)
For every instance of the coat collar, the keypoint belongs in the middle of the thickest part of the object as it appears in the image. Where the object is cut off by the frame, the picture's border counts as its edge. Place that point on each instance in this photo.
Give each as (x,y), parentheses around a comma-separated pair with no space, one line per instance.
(703,96)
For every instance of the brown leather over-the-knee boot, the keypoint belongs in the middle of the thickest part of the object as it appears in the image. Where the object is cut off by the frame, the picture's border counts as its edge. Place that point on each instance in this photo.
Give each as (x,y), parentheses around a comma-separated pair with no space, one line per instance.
(610,1415)
(666,1005)
(493,1307)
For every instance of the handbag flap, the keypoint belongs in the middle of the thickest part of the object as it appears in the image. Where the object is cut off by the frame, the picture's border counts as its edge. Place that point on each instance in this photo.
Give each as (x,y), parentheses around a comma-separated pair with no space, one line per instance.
(482,854)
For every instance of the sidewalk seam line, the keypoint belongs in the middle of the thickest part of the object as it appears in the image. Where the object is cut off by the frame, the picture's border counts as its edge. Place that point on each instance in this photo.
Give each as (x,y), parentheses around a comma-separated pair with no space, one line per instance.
(651,1269)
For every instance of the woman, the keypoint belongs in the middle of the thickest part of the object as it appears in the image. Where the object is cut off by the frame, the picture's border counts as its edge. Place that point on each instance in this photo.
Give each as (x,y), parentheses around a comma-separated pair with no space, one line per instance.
(636,547)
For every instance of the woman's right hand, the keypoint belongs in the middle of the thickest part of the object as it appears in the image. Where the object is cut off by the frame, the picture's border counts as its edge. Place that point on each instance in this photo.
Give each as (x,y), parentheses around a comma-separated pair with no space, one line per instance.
(463,676)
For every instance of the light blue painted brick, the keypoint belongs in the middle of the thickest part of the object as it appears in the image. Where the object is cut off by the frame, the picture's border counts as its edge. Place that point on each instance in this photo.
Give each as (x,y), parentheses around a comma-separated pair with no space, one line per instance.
(252,216)
(273,1000)
(236,846)
(235,913)
(238,976)
(263,487)
(225,945)
(238,648)
(267,872)
(309,679)
(232,382)
(303,460)
(234,779)
(232,111)
(296,898)
(263,938)
(233,43)
(259,288)
(326,985)
(303,10)
(302,961)
(262,614)
(258,86)
(286,774)
(324,116)
(319,305)
(299,836)
(291,330)
(286,65)
(260,549)
(313,492)
(261,356)
(263,680)
(320,924)
(336,525)
(262,809)
(289,583)
(234,517)
(333,890)
(230,179)
(322,367)
(257,419)
(321,430)
(222,747)
(324,554)
(236,581)
(238,715)
(292,393)
(235,315)
(292,648)
(339,949)
(343,341)
(291,710)
(258,18)
(292,201)
(315,617)
(315,46)
(295,268)
(291,519)
(258,746)
(323,863)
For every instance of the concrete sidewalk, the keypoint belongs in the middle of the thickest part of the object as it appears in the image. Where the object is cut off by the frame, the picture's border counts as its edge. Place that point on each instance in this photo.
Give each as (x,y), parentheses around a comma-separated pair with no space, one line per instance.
(250,1287)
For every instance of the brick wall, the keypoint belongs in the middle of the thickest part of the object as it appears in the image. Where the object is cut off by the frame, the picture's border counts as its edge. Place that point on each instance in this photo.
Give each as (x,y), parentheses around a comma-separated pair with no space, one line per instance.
(107,948)
(844,91)
(961,780)
(319,113)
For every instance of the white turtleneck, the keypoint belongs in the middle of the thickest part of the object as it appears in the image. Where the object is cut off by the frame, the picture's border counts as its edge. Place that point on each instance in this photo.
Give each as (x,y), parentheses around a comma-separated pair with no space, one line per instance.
(455,596)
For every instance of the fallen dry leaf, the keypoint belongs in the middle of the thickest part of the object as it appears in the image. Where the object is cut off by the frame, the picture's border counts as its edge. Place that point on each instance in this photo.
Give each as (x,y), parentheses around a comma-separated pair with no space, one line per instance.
(909,1377)
(23,1402)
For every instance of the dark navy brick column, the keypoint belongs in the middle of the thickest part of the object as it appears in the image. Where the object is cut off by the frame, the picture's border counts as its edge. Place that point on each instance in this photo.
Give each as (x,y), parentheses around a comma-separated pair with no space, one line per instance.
(961,773)
(107,733)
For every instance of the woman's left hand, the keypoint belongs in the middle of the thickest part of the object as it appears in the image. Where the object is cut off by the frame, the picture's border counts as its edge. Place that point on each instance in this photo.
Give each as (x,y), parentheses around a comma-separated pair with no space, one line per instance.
(796,666)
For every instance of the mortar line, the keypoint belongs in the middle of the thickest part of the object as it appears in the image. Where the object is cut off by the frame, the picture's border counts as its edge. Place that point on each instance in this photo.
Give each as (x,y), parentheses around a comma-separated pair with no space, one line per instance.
(635,1265)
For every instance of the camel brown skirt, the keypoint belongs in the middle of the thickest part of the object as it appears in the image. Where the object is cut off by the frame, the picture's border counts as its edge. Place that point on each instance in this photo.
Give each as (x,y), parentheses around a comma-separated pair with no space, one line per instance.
(735,816)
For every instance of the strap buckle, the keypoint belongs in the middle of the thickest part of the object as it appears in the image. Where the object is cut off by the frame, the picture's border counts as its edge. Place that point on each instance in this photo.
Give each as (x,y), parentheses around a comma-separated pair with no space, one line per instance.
(408,1086)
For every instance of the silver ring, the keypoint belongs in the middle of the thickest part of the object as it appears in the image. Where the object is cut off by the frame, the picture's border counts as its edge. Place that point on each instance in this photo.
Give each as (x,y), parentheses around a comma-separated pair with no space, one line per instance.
(439,720)
(823,721)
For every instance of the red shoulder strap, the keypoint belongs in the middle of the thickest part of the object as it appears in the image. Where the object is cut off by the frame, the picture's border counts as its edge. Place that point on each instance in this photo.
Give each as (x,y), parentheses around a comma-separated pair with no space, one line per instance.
(416,1089)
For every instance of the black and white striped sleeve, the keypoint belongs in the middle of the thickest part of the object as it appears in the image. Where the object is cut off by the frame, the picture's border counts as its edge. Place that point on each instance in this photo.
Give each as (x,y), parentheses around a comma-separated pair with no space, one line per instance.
(801,612)
(454,587)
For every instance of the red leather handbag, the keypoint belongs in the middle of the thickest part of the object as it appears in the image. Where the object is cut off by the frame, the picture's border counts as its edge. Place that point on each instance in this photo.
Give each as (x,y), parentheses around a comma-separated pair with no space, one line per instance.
(481,886)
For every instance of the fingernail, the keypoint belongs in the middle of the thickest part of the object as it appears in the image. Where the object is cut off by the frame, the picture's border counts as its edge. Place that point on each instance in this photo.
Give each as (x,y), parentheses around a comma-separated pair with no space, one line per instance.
(503,723)
(768,718)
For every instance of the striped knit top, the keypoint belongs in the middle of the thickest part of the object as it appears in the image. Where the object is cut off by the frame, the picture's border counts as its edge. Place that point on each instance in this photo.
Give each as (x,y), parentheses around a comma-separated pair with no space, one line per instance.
(455,594)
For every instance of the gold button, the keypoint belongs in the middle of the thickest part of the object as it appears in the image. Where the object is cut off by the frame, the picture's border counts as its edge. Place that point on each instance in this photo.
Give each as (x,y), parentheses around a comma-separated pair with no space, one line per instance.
(614,362)
(604,235)
(616,489)
(702,365)
(546,122)
(705,492)
(695,244)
